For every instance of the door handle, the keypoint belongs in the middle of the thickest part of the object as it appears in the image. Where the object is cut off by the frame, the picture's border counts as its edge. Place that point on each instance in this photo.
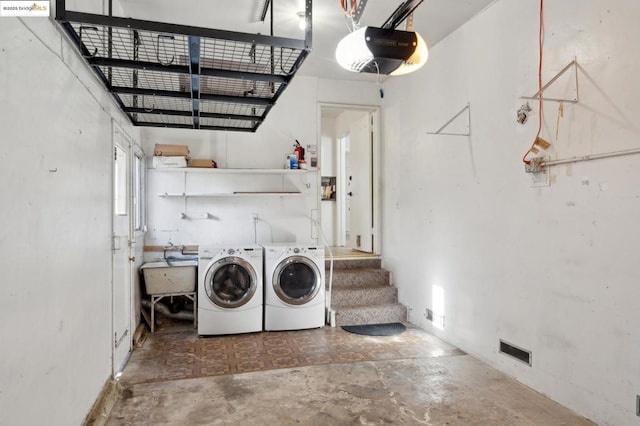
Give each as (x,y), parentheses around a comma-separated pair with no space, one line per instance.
(132,259)
(350,194)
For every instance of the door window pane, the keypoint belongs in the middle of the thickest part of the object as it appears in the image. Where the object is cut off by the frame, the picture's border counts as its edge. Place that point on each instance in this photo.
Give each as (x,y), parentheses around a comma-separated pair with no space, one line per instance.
(137,194)
(120,181)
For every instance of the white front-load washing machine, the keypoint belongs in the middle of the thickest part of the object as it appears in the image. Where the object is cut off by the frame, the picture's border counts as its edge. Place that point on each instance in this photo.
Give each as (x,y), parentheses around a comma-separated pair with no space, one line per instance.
(294,294)
(230,290)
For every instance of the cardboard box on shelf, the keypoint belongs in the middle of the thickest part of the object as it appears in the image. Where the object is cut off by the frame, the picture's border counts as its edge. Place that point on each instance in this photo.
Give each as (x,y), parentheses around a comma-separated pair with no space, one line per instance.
(200,162)
(166,150)
(162,162)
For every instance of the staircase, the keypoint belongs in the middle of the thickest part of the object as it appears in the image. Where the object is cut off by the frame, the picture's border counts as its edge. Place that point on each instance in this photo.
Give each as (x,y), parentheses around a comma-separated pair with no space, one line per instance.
(362,293)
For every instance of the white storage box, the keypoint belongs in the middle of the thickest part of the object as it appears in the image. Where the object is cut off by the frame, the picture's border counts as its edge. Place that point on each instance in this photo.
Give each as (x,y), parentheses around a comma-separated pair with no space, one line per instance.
(162,278)
(169,162)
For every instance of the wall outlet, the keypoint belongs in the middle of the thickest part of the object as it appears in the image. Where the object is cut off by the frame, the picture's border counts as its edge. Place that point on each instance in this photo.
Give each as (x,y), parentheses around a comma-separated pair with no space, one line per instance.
(428,314)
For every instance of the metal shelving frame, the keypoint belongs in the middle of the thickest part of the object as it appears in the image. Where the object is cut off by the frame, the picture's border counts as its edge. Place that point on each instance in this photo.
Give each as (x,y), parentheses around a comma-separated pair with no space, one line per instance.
(179,76)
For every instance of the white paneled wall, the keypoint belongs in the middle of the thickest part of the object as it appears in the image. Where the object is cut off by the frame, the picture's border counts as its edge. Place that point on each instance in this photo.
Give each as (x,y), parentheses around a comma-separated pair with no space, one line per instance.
(552,269)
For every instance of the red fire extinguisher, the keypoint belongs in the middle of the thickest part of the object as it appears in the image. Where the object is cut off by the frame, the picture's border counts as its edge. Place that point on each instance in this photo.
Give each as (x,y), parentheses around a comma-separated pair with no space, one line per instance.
(298,149)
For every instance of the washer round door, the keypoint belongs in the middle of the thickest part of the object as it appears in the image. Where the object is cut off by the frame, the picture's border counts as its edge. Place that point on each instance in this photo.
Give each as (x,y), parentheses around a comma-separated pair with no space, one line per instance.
(296,280)
(230,282)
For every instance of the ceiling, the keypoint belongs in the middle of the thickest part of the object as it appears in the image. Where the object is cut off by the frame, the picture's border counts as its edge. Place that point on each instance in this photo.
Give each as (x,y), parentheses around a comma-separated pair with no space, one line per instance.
(433,19)
(199,64)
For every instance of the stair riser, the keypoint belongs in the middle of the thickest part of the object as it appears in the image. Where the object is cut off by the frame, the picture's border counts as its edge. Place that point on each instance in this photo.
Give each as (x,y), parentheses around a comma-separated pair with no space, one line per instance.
(354,264)
(372,296)
(359,278)
(372,315)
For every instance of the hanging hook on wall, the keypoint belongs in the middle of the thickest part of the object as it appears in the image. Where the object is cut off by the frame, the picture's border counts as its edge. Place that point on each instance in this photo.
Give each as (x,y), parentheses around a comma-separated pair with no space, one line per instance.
(95,49)
(153,106)
(173,57)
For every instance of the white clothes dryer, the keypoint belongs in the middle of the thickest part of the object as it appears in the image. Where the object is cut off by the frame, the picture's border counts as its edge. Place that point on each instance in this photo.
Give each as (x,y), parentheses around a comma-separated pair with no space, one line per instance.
(230,290)
(294,286)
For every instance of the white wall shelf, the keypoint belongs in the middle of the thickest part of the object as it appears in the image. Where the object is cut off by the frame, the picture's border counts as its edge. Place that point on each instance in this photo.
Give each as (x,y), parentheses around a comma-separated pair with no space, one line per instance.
(228,194)
(240,171)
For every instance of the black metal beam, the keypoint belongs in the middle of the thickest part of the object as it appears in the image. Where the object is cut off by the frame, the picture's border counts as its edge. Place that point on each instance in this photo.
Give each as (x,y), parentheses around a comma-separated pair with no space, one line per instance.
(184,69)
(231,129)
(194,71)
(138,65)
(189,126)
(243,75)
(149,92)
(163,27)
(187,95)
(237,99)
(401,13)
(263,15)
(178,113)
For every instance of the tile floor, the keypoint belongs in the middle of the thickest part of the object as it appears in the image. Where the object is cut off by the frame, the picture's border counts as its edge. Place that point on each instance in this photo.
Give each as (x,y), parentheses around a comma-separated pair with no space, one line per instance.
(323,376)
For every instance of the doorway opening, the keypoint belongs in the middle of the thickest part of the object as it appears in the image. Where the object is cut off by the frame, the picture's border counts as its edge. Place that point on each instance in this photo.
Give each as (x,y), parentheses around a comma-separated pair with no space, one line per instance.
(349,169)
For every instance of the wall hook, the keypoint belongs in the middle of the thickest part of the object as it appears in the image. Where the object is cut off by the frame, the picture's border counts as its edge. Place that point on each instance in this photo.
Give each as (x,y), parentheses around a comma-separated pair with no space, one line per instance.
(167,37)
(95,49)
(153,106)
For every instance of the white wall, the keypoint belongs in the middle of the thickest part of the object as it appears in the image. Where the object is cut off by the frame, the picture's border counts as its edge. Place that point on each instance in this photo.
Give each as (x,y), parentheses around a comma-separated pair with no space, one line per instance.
(328,163)
(281,219)
(551,269)
(55,247)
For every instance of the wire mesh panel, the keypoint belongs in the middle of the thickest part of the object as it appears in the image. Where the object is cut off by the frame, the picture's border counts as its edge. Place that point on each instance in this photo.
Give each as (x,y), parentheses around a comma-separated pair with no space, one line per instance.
(164,120)
(151,103)
(232,109)
(178,76)
(224,123)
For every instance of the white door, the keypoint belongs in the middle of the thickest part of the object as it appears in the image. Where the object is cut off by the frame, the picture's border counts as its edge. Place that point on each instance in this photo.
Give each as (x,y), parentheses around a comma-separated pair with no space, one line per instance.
(359,182)
(121,290)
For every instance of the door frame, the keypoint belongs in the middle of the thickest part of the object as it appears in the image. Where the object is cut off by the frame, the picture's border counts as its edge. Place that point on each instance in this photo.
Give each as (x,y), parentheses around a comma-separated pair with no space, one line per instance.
(376,160)
(116,365)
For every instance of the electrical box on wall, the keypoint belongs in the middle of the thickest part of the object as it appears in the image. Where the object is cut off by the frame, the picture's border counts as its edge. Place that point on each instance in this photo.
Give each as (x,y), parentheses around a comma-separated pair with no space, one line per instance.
(312,157)
(539,172)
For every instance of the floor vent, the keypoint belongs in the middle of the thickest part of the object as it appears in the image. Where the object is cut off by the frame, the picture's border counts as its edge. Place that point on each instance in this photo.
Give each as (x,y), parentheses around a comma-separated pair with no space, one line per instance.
(515,352)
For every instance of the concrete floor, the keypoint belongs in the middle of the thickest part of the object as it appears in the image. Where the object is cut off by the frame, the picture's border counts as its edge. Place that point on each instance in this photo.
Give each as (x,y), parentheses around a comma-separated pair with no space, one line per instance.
(411,378)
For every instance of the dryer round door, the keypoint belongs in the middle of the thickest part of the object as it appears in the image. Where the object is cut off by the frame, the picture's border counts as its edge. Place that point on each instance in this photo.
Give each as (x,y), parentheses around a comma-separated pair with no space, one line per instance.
(230,282)
(296,280)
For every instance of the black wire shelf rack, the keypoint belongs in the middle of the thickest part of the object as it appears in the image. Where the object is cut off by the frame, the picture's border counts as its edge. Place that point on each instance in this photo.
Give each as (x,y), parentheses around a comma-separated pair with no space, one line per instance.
(178,76)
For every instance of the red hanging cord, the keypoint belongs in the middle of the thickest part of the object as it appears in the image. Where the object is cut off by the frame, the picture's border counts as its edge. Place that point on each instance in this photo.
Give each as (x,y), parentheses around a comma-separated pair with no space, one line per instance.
(540,105)
(349,13)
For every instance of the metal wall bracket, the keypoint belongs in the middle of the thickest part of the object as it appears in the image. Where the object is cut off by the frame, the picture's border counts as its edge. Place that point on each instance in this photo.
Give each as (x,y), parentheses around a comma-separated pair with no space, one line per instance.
(467,108)
(538,95)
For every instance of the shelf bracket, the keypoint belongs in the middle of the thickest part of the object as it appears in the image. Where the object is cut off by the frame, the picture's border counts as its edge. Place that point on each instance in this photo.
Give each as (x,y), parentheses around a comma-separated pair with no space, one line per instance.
(193,216)
(467,108)
(538,94)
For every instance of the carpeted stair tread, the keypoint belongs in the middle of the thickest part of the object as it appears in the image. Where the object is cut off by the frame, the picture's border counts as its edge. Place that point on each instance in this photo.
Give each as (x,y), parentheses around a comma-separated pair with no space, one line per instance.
(362,293)
(363,296)
(359,277)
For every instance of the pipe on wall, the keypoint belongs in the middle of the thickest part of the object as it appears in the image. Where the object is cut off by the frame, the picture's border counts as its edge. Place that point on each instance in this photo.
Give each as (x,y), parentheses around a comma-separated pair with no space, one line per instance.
(165,311)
